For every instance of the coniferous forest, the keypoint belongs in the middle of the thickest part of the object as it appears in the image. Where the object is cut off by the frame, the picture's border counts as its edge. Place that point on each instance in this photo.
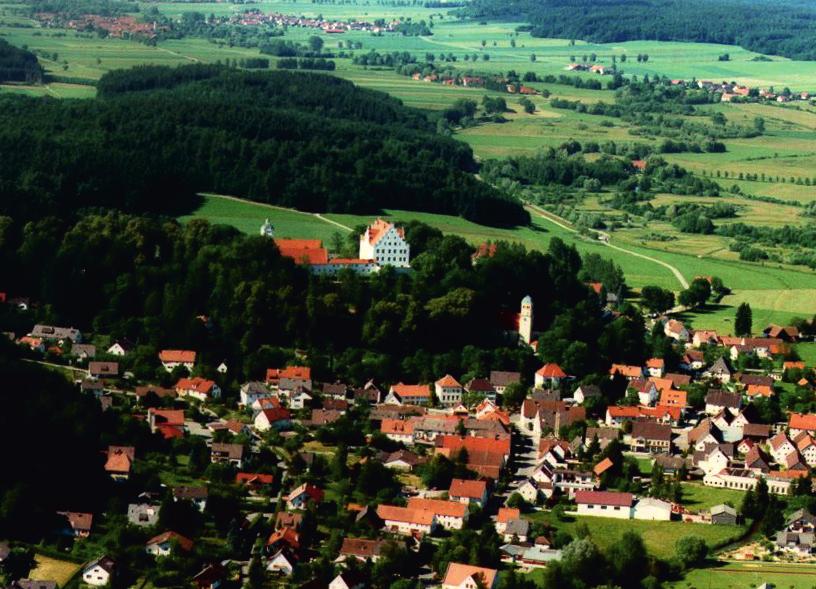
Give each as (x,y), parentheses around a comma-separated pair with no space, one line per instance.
(155,137)
(764,26)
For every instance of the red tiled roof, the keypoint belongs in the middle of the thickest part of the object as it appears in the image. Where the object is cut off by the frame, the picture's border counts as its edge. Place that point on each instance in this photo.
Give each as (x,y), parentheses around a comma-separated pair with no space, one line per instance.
(469,489)
(180,356)
(291,372)
(551,370)
(448,381)
(254,478)
(458,573)
(411,390)
(184,543)
(627,371)
(198,385)
(507,514)
(405,514)
(802,421)
(397,426)
(438,506)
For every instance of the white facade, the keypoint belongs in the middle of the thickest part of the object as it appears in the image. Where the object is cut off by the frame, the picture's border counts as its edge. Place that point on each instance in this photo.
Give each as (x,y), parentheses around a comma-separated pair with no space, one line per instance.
(160,548)
(526,320)
(95,575)
(116,350)
(280,564)
(384,243)
(652,509)
(614,511)
(299,400)
(408,528)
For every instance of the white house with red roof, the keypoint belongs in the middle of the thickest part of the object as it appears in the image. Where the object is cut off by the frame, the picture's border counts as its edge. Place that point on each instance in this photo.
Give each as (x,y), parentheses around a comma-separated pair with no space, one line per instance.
(172,359)
(302,496)
(605,504)
(448,391)
(408,394)
(802,422)
(465,576)
(198,388)
(549,375)
(385,243)
(468,492)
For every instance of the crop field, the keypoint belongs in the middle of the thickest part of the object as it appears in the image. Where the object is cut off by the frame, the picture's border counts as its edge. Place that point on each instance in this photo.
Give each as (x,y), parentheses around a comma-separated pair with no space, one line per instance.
(749,575)
(52,569)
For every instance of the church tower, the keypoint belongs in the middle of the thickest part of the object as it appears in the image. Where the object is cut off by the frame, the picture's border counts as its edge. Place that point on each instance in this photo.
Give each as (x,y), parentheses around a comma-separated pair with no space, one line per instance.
(526,320)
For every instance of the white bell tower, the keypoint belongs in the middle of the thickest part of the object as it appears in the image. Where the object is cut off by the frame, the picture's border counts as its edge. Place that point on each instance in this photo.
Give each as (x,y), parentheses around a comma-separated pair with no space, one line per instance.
(526,320)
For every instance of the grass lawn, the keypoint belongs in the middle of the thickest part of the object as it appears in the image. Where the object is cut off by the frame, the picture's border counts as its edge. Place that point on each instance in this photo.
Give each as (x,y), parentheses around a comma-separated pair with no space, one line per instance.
(644,465)
(807,352)
(659,537)
(52,569)
(699,497)
(748,575)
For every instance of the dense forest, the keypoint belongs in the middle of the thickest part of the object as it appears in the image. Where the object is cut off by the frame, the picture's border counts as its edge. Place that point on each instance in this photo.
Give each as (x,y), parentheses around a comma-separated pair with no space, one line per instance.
(150,280)
(18,65)
(155,137)
(765,26)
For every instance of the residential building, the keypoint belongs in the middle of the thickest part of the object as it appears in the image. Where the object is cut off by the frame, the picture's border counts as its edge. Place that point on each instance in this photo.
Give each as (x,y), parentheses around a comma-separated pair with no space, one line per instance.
(172,359)
(162,545)
(468,492)
(605,504)
(451,515)
(408,394)
(650,436)
(406,521)
(448,391)
(119,462)
(300,497)
(549,376)
(55,333)
(229,453)
(195,495)
(501,379)
(723,515)
(143,514)
(465,576)
(198,388)
(99,572)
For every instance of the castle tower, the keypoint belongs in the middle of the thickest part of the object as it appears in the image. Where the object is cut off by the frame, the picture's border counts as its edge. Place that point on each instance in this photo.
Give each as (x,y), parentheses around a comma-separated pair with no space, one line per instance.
(526,320)
(267,229)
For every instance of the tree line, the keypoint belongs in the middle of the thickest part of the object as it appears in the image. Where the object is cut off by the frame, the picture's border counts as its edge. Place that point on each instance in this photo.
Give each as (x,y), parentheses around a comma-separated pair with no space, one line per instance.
(731,22)
(155,137)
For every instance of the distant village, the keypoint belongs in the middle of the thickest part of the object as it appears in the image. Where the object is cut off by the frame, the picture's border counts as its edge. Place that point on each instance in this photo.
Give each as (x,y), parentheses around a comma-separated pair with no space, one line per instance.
(552,445)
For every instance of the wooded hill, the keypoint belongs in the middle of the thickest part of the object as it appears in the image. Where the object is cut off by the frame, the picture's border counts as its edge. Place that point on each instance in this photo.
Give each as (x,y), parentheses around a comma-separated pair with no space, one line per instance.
(766,26)
(157,136)
(18,65)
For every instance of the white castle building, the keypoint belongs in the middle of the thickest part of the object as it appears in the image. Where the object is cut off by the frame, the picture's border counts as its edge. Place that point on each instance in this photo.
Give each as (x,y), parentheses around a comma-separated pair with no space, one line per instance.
(385,243)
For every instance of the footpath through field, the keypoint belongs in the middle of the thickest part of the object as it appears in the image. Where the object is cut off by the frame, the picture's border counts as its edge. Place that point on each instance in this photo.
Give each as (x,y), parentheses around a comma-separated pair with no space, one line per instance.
(607,242)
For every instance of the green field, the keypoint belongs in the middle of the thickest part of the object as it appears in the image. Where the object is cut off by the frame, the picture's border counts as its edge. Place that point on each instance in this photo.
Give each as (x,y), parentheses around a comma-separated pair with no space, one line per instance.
(700,498)
(783,292)
(659,537)
(749,575)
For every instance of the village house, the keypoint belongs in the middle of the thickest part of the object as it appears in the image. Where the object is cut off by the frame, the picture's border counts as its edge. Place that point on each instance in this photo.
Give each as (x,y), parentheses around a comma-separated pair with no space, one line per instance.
(406,521)
(143,514)
(348,580)
(168,422)
(605,504)
(83,351)
(362,549)
(723,515)
(451,515)
(717,400)
(468,492)
(585,392)
(616,416)
(227,453)
(781,446)
(656,367)
(448,391)
(251,392)
(195,495)
(516,530)
(799,535)
(162,545)
(198,388)
(274,416)
(398,430)
(481,387)
(119,348)
(408,394)
(299,399)
(501,379)
(78,524)
(119,462)
(465,576)
(505,515)
(55,333)
(103,369)
(798,423)
(651,509)
(301,496)
(172,359)
(385,243)
(290,378)
(719,371)
(646,391)
(649,436)
(629,372)
(99,572)
(402,460)
(676,330)
(549,376)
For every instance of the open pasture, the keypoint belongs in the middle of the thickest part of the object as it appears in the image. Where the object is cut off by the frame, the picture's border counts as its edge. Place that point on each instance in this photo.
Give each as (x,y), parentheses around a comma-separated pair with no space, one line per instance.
(52,569)
(749,575)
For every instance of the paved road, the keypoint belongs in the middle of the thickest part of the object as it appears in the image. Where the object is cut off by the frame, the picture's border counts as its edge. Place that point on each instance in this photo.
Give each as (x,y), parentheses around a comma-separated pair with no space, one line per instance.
(607,242)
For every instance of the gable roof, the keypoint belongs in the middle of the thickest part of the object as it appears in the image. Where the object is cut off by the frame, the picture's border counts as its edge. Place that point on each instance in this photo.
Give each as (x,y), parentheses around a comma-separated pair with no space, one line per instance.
(120,459)
(507,514)
(178,356)
(612,498)
(375,232)
(551,370)
(184,543)
(802,421)
(602,466)
(448,381)
(411,390)
(405,514)
(457,573)
(469,489)
(290,372)
(500,378)
(397,426)
(438,506)
(650,430)
(626,370)
(361,547)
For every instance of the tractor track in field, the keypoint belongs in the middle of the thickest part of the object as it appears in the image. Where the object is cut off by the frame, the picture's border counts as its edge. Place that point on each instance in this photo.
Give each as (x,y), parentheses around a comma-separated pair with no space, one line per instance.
(558,221)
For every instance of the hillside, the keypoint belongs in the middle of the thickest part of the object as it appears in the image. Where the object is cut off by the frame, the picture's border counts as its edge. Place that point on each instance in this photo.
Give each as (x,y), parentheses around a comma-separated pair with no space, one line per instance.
(765,26)
(155,137)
